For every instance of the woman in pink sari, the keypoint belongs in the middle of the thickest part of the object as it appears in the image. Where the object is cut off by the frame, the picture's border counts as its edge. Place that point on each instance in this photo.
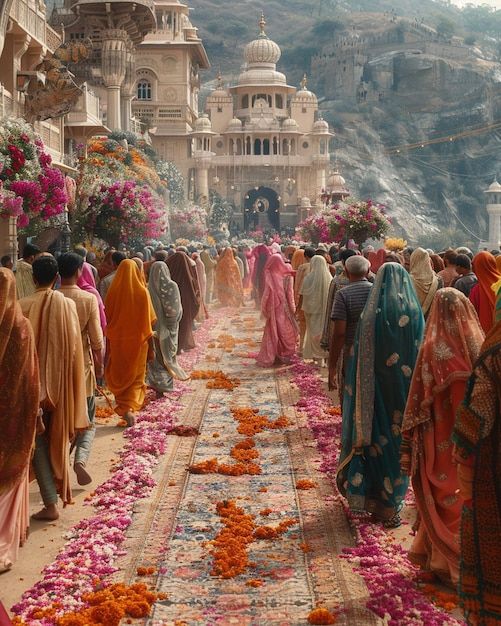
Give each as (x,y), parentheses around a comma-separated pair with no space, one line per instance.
(87,283)
(261,254)
(277,306)
(451,345)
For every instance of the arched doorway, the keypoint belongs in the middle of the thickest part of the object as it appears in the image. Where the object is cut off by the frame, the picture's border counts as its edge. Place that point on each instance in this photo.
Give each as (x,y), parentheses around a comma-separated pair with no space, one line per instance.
(259,202)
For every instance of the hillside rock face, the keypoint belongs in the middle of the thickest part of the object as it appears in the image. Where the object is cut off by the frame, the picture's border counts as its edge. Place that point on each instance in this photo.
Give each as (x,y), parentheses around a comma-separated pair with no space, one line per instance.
(399,85)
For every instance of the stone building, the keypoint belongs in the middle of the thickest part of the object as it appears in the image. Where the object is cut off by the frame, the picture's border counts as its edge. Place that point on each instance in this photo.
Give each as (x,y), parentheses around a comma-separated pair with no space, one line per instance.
(493,194)
(168,64)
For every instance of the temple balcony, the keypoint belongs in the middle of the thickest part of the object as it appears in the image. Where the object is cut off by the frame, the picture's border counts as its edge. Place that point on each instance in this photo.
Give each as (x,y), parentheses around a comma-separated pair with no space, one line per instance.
(29,16)
(85,119)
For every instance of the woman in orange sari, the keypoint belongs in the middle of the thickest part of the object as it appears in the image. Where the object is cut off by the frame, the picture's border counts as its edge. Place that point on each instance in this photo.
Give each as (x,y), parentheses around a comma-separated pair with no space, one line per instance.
(130,317)
(451,345)
(482,295)
(229,290)
(19,405)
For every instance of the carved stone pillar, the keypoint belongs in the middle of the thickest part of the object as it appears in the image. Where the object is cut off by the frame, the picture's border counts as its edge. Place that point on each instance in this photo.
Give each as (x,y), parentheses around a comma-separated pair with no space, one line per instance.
(114,67)
(128,89)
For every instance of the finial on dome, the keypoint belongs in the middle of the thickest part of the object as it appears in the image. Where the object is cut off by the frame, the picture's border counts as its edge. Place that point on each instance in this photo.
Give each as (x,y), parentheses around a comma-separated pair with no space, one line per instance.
(262,24)
(304,82)
(220,84)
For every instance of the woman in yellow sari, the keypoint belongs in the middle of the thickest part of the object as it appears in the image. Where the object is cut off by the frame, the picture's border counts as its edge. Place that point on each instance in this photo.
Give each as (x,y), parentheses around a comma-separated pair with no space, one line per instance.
(229,289)
(130,317)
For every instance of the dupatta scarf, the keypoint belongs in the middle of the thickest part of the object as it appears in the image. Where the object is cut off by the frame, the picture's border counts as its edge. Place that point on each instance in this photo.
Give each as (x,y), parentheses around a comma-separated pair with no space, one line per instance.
(489,282)
(229,290)
(87,283)
(180,271)
(20,384)
(166,301)
(424,279)
(377,383)
(261,255)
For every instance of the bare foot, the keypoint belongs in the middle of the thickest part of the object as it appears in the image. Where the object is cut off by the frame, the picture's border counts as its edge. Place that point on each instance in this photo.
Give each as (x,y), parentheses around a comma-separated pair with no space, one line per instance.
(83,476)
(130,418)
(47,514)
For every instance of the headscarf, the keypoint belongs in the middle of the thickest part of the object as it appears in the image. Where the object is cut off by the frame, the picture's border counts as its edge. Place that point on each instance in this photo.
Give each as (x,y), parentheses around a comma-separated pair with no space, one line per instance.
(106,267)
(166,300)
(424,279)
(450,347)
(489,283)
(229,289)
(87,283)
(129,310)
(498,262)
(261,254)
(289,252)
(393,320)
(202,283)
(275,271)
(437,262)
(315,287)
(20,383)
(275,248)
(297,259)
(376,259)
(140,267)
(181,274)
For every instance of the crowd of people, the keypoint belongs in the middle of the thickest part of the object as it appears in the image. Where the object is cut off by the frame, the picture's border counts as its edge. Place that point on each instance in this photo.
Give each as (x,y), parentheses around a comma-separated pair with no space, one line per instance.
(410,340)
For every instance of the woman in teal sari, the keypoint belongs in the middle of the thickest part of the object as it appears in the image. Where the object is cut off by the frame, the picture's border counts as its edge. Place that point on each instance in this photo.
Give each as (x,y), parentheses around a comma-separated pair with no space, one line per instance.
(378,377)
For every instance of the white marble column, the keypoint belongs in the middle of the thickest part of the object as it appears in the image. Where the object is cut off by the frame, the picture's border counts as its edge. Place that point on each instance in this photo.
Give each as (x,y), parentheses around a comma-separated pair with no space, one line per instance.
(114,66)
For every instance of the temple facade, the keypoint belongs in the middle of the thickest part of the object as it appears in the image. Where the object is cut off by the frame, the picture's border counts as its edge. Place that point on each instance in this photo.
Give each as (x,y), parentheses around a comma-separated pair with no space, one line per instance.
(260,143)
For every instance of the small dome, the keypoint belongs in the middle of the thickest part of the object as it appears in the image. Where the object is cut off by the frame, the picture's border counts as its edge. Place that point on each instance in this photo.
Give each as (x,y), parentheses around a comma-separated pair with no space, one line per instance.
(305,202)
(494,186)
(262,49)
(289,124)
(203,124)
(304,95)
(321,125)
(219,93)
(235,124)
(336,182)
(261,76)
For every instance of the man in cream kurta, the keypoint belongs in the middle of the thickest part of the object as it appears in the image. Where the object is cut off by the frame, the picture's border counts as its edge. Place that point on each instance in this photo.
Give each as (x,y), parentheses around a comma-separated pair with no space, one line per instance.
(62,384)
(70,268)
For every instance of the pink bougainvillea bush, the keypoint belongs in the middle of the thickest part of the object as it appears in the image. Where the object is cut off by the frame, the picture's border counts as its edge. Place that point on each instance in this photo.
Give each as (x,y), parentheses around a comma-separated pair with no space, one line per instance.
(30,186)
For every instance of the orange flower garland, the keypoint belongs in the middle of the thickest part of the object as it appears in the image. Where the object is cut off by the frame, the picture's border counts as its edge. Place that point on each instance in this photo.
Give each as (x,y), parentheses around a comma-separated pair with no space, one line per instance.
(230,547)
(216,379)
(321,616)
(304,483)
(106,607)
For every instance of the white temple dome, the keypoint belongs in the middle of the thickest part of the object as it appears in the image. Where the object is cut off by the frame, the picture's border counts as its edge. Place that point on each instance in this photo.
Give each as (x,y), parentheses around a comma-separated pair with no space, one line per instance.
(494,186)
(235,124)
(305,202)
(256,76)
(203,124)
(262,49)
(321,125)
(336,182)
(289,124)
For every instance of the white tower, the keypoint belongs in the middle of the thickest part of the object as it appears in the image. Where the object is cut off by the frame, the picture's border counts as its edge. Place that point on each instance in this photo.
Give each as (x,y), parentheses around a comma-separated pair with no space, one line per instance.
(494,212)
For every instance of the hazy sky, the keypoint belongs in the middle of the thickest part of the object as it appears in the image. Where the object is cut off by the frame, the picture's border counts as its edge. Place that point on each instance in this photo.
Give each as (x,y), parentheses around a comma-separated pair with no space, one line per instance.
(493,3)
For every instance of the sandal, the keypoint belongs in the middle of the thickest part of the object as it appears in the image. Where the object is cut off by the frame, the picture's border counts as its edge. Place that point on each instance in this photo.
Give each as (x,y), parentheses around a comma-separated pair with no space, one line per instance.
(393,522)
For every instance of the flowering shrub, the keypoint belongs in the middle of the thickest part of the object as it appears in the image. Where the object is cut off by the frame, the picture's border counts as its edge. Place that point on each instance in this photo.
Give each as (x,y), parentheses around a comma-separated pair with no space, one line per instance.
(30,186)
(120,196)
(124,212)
(395,244)
(189,223)
(359,221)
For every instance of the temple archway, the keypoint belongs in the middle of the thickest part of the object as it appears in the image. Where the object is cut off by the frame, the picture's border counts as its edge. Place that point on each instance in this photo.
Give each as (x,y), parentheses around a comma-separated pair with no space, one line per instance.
(260,203)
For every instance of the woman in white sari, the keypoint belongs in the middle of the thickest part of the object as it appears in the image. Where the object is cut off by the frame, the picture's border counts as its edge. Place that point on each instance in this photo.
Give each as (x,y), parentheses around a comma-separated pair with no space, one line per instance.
(314,294)
(166,301)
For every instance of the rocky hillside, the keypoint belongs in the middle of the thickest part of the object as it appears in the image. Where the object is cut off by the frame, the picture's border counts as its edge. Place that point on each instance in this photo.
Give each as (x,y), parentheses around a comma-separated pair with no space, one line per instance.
(389,79)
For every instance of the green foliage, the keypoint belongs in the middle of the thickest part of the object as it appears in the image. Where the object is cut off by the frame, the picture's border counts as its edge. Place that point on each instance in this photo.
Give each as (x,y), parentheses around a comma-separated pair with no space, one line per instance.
(326,28)
(174,179)
(221,210)
(482,19)
(445,27)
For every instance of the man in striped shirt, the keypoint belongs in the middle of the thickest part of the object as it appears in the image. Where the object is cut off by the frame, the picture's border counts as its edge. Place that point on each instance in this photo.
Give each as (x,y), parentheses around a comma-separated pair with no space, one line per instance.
(346,310)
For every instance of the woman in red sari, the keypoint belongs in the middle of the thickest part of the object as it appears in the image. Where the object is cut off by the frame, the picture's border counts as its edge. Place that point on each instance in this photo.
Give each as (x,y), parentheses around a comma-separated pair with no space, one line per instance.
(482,295)
(277,306)
(228,283)
(451,345)
(19,404)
